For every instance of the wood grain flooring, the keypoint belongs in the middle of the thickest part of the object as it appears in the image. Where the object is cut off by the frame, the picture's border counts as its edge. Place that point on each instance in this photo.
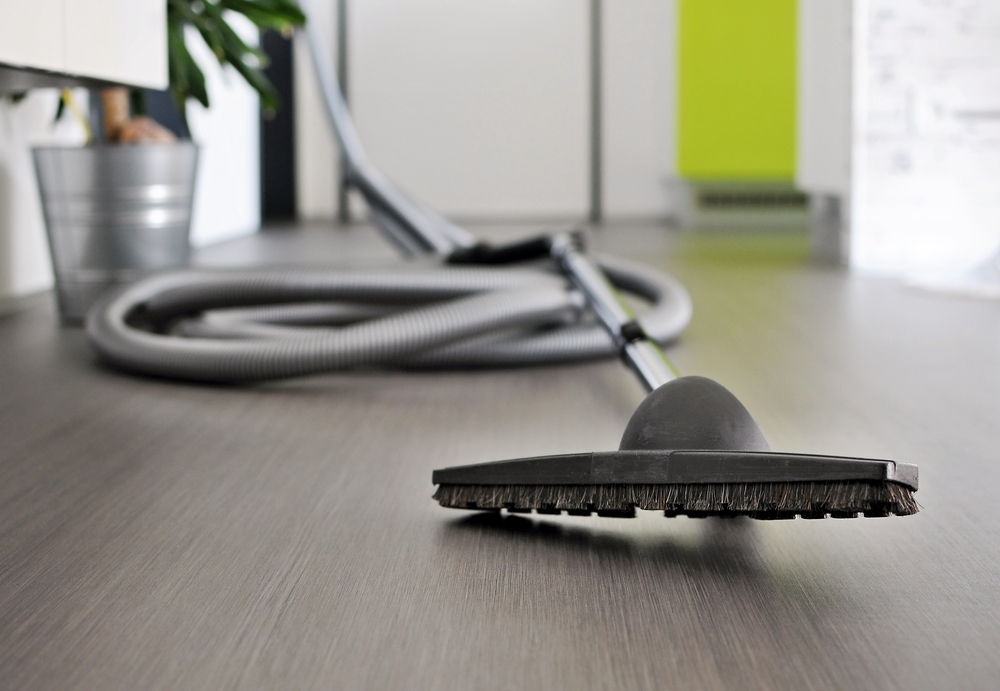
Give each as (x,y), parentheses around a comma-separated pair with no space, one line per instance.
(159,535)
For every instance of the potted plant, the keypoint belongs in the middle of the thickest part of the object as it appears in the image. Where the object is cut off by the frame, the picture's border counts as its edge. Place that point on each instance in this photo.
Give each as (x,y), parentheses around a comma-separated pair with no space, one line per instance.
(122,207)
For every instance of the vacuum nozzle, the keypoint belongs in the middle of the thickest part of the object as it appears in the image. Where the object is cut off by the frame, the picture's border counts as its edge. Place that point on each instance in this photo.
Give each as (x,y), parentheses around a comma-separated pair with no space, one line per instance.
(691,448)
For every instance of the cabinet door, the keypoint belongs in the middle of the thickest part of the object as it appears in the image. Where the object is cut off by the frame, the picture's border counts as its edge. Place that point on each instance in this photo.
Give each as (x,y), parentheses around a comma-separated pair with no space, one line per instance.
(118,40)
(31,33)
(736,79)
(479,108)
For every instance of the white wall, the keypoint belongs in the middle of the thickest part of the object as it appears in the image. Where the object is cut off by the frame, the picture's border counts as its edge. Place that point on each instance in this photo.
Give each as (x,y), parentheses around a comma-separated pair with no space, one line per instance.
(640,105)
(316,158)
(926,143)
(227,192)
(898,106)
(482,109)
(24,255)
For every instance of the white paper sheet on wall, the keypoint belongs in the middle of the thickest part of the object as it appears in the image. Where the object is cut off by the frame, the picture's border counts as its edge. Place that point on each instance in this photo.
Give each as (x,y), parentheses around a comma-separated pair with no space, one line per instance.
(926,178)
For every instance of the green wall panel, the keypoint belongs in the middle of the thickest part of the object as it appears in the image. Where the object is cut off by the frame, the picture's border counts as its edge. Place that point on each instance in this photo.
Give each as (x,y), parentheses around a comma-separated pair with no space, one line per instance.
(736,113)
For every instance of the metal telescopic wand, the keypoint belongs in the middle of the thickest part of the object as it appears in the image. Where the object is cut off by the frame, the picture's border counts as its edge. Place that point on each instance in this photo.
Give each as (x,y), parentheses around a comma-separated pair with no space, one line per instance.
(634,346)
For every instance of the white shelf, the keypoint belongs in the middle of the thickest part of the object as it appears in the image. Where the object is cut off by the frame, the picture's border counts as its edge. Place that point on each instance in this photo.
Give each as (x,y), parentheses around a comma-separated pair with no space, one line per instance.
(119,41)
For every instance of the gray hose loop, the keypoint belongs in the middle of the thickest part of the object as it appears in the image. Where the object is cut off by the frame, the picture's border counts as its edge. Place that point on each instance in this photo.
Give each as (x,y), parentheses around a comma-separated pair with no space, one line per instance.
(251,325)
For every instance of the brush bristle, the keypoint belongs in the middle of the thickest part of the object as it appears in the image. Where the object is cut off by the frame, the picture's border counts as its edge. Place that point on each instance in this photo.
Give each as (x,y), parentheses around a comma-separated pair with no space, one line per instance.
(764,500)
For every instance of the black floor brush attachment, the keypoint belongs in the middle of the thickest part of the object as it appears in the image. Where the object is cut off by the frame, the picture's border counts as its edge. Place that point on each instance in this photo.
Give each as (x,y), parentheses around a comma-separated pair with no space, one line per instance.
(692,449)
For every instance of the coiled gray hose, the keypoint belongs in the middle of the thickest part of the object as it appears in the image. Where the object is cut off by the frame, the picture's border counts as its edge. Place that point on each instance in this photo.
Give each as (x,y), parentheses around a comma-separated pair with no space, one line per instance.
(240,326)
(229,326)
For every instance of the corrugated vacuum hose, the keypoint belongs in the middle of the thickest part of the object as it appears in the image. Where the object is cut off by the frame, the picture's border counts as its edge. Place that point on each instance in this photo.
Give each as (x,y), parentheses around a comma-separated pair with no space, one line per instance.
(228,326)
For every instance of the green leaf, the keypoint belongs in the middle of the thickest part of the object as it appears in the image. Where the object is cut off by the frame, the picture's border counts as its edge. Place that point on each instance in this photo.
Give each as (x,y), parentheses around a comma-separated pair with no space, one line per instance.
(207,17)
(186,78)
(268,14)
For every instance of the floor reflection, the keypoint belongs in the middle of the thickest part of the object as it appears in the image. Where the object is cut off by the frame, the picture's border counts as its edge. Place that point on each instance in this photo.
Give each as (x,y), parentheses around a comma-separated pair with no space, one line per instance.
(729,561)
(722,545)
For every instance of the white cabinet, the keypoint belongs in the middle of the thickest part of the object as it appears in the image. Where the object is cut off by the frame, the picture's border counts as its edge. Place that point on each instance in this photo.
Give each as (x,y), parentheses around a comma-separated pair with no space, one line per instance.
(122,41)
(825,83)
(118,40)
(481,108)
(31,34)
(639,112)
(478,108)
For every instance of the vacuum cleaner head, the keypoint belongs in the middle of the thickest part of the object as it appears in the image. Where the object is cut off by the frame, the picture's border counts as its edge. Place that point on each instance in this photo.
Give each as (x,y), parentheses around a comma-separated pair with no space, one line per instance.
(691,448)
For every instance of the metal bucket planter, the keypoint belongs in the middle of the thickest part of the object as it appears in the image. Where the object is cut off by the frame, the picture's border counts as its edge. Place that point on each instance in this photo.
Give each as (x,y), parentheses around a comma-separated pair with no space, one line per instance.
(114,213)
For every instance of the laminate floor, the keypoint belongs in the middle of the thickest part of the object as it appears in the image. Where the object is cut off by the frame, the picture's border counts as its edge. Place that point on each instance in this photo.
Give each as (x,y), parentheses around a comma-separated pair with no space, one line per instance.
(161,535)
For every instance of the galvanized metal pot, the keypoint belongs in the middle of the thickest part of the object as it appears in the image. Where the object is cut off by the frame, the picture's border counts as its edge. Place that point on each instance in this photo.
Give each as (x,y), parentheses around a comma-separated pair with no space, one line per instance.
(114,213)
